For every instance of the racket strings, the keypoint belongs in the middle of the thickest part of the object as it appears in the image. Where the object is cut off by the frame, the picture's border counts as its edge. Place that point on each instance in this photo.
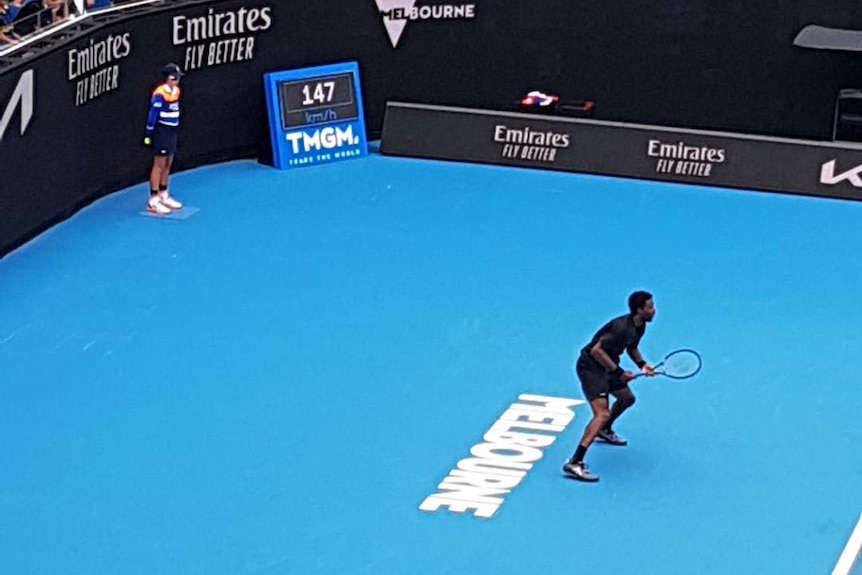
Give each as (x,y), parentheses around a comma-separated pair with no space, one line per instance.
(681,364)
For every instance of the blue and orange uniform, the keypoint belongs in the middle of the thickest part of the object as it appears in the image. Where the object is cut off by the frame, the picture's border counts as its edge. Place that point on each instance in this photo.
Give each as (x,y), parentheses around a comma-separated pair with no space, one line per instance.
(163,121)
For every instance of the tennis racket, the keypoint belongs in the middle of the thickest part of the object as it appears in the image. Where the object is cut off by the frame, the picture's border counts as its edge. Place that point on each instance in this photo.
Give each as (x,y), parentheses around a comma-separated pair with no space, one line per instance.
(679,364)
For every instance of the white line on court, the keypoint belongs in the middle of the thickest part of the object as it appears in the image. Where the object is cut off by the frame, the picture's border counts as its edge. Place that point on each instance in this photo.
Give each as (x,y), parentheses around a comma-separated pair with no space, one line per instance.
(851,551)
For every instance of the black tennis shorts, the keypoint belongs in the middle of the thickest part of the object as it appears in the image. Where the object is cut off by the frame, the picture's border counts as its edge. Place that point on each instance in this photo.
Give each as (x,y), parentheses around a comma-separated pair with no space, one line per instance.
(164,140)
(595,381)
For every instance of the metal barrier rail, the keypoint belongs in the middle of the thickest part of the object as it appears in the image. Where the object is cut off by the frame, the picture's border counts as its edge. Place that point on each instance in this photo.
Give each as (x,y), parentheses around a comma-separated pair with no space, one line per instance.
(39,23)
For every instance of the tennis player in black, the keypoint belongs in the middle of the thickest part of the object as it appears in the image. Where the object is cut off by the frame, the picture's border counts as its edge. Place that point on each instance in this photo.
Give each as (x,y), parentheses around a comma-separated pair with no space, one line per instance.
(599,370)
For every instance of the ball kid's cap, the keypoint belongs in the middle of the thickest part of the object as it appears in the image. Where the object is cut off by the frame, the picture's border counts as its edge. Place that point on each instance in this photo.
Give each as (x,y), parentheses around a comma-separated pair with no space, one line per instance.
(172,71)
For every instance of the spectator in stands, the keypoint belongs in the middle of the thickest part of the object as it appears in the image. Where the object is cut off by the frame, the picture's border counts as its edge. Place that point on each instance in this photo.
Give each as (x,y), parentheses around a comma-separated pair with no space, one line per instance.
(7,35)
(163,123)
(9,10)
(23,15)
(59,9)
(98,4)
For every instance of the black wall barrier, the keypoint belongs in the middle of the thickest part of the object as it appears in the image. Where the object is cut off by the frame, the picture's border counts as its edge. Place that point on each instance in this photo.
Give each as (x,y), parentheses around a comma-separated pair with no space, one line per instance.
(628,150)
(72,107)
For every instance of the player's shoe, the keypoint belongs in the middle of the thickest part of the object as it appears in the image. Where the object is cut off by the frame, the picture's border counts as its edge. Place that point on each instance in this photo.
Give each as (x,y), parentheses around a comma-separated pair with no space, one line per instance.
(155,206)
(169,202)
(579,471)
(609,436)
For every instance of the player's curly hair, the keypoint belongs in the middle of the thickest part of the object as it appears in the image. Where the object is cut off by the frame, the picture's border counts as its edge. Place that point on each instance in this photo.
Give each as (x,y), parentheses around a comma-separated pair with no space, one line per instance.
(637,300)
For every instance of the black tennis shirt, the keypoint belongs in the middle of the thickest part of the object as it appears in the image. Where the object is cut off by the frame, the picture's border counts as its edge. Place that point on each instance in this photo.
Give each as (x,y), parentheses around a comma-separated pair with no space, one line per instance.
(616,336)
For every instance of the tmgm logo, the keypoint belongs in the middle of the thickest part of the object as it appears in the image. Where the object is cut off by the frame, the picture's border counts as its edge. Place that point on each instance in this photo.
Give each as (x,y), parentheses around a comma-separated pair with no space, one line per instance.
(22,97)
(322,139)
(396,14)
(830,178)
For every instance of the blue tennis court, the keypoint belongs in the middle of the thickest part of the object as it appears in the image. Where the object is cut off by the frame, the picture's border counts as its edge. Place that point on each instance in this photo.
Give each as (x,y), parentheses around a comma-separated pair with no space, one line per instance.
(275,384)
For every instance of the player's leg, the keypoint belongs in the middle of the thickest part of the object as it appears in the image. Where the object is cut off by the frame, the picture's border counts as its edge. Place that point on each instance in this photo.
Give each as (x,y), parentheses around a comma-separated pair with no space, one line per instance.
(624,398)
(166,173)
(575,467)
(171,147)
(154,204)
(601,415)
(156,172)
(596,387)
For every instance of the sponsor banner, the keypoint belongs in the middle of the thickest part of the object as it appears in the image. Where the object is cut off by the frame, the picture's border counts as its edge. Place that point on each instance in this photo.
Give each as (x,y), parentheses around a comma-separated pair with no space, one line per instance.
(19,100)
(648,152)
(214,36)
(95,67)
(396,14)
(315,115)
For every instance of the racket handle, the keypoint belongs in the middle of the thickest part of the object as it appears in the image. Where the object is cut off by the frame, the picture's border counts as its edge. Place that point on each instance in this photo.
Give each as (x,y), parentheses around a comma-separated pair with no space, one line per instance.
(642,374)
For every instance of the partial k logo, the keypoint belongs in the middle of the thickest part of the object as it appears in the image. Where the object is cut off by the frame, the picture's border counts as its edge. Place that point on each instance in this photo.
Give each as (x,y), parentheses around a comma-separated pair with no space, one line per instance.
(22,97)
(830,178)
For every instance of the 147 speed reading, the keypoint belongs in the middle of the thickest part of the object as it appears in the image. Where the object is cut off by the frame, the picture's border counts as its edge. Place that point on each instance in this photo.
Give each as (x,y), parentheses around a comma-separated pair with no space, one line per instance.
(321,95)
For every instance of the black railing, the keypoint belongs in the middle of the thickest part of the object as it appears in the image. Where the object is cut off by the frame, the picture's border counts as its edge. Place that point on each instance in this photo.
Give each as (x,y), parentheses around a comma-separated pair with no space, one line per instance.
(22,20)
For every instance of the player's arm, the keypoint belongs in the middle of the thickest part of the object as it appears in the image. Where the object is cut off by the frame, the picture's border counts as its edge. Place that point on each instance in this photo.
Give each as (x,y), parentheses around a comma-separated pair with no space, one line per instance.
(155,107)
(601,356)
(635,355)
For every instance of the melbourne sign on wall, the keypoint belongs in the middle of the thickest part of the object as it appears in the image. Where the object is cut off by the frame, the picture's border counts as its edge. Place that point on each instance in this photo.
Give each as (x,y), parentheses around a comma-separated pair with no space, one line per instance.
(629,150)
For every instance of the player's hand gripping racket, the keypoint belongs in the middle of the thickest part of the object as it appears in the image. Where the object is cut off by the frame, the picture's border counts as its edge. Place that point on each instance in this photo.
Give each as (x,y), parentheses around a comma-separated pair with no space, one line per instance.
(679,364)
